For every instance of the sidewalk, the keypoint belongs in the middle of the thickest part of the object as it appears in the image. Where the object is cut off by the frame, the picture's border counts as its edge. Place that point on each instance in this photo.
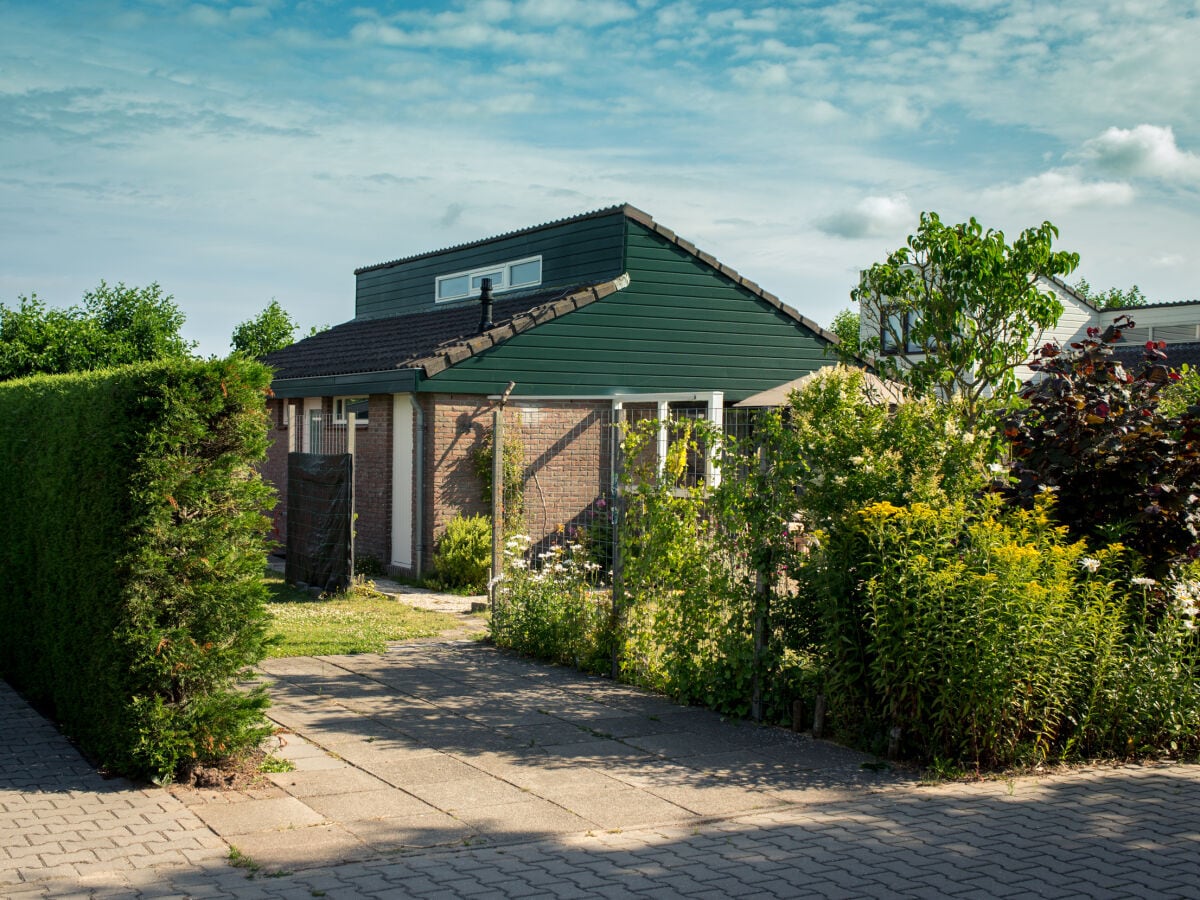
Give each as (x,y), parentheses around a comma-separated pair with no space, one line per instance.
(456,769)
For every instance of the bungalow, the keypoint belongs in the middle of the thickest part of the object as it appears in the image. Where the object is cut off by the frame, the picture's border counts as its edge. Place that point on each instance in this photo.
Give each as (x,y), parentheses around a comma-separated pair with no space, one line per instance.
(583,314)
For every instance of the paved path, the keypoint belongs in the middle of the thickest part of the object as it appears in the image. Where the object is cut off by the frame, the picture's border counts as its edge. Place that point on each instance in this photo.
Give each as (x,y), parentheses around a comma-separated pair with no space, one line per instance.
(454,769)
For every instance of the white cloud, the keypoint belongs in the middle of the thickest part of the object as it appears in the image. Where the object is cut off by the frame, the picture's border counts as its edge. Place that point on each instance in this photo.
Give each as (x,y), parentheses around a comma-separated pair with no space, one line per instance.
(211,17)
(1145,151)
(1059,189)
(870,217)
(574,12)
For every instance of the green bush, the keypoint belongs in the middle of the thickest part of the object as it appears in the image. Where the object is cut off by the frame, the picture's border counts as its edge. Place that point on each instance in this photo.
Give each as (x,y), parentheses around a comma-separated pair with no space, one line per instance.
(551,609)
(985,637)
(132,546)
(464,554)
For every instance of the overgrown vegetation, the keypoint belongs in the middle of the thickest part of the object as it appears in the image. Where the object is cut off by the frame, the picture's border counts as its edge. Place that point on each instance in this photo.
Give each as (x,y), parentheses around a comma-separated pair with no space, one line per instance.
(941,623)
(132,548)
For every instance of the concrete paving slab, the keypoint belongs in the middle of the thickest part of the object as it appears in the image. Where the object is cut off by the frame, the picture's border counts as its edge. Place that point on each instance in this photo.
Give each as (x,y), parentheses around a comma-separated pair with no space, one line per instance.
(324,783)
(236,819)
(398,832)
(374,804)
(465,793)
(404,772)
(529,818)
(300,848)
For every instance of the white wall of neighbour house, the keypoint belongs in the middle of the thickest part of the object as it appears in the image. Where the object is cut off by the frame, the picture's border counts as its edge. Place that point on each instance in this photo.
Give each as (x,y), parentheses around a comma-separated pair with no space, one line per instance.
(1072,324)
(1173,323)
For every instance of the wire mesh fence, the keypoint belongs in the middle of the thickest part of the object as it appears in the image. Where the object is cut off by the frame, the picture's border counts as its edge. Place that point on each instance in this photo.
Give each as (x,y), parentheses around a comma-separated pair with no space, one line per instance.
(562,488)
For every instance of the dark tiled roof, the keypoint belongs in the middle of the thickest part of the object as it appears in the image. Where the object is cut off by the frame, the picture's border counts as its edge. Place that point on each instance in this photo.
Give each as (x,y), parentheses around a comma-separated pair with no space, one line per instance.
(430,341)
(1177,354)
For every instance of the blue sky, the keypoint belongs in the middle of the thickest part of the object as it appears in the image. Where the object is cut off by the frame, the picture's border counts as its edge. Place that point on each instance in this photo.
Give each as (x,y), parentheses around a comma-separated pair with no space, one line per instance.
(242,151)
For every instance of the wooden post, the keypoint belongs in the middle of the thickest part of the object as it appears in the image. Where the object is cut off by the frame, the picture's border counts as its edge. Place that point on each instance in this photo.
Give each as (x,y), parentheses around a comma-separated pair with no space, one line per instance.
(497,502)
(295,421)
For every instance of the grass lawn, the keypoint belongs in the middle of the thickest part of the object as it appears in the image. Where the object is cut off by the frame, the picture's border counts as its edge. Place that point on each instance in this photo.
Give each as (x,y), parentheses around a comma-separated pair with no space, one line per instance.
(355,623)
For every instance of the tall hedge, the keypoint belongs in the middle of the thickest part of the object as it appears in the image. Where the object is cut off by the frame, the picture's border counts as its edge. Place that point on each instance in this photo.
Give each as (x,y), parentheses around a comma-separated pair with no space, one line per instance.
(132,547)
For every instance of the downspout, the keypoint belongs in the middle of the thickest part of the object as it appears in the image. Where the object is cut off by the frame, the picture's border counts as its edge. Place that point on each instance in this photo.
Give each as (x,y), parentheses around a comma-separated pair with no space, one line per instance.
(418,485)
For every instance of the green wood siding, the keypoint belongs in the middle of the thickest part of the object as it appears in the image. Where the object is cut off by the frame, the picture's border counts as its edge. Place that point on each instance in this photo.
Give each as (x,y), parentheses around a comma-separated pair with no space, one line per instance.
(574,252)
(679,326)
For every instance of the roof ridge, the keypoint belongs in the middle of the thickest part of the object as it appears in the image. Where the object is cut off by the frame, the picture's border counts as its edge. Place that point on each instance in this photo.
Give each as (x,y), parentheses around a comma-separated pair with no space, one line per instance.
(625,208)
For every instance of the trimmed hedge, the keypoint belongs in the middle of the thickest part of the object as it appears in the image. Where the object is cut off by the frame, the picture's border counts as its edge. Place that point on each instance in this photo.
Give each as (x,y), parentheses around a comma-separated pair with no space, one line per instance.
(132,548)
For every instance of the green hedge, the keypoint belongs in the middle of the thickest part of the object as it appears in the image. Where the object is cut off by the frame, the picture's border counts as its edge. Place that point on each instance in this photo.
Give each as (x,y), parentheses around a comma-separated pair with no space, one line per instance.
(132,547)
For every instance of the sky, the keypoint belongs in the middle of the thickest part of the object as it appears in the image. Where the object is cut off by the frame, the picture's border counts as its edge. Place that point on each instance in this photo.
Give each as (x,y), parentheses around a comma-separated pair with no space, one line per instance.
(244,151)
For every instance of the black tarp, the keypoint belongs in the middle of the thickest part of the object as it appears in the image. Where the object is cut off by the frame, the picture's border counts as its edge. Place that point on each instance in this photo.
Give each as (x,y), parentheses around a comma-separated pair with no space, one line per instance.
(320,504)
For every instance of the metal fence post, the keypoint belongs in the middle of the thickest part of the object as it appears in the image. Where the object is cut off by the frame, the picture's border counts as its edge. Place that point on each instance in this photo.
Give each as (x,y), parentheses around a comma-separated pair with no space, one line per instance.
(762,597)
(617,523)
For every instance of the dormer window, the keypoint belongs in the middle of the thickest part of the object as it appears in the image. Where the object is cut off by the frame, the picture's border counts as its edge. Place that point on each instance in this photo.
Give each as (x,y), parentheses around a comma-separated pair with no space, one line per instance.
(505,277)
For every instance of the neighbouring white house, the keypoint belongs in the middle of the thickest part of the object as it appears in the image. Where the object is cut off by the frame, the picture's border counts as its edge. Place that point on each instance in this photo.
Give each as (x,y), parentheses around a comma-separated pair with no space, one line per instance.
(1177,324)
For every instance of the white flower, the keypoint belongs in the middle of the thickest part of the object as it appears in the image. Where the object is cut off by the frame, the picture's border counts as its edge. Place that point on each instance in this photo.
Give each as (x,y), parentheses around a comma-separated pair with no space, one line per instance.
(995,468)
(520,564)
(1047,488)
(1144,582)
(1090,564)
(857,460)
(968,437)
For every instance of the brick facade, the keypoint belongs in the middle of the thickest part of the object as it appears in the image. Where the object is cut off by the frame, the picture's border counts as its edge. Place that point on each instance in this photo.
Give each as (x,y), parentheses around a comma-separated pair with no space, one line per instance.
(567,451)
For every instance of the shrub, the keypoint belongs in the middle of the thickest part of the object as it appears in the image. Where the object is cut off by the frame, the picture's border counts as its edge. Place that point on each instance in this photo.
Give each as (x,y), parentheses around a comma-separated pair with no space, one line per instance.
(550,609)
(464,554)
(133,546)
(986,637)
(1093,433)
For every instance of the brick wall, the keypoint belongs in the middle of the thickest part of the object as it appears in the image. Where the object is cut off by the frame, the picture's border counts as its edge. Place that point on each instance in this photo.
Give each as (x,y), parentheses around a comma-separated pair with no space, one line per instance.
(454,427)
(568,460)
(274,467)
(567,452)
(373,482)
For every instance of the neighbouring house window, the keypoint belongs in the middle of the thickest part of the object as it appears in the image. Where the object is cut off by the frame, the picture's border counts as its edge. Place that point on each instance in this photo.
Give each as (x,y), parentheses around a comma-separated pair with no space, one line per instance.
(344,405)
(505,277)
(896,329)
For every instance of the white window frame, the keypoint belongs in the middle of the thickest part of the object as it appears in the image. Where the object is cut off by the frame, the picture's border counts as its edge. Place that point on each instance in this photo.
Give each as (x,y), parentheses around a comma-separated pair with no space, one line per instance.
(339,410)
(504,284)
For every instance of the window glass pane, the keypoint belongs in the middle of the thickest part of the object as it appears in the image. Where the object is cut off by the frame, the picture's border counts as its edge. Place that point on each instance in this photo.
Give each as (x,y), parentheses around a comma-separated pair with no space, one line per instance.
(913,321)
(893,332)
(497,280)
(525,273)
(358,406)
(457,286)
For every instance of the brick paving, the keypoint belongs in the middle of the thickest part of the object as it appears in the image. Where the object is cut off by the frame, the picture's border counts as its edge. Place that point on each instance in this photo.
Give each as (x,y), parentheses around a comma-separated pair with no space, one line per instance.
(457,770)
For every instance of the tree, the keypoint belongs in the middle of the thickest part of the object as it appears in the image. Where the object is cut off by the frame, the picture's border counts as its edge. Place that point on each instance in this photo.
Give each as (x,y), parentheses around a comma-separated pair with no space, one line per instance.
(1112,298)
(959,308)
(115,325)
(137,324)
(271,330)
(845,326)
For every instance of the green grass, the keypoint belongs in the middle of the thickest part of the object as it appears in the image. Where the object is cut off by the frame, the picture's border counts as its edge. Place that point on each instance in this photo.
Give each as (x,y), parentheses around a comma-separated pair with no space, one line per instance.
(359,622)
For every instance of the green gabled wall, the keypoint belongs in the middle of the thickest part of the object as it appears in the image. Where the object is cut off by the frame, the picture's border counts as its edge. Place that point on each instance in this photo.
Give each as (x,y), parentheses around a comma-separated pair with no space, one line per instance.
(578,251)
(679,326)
